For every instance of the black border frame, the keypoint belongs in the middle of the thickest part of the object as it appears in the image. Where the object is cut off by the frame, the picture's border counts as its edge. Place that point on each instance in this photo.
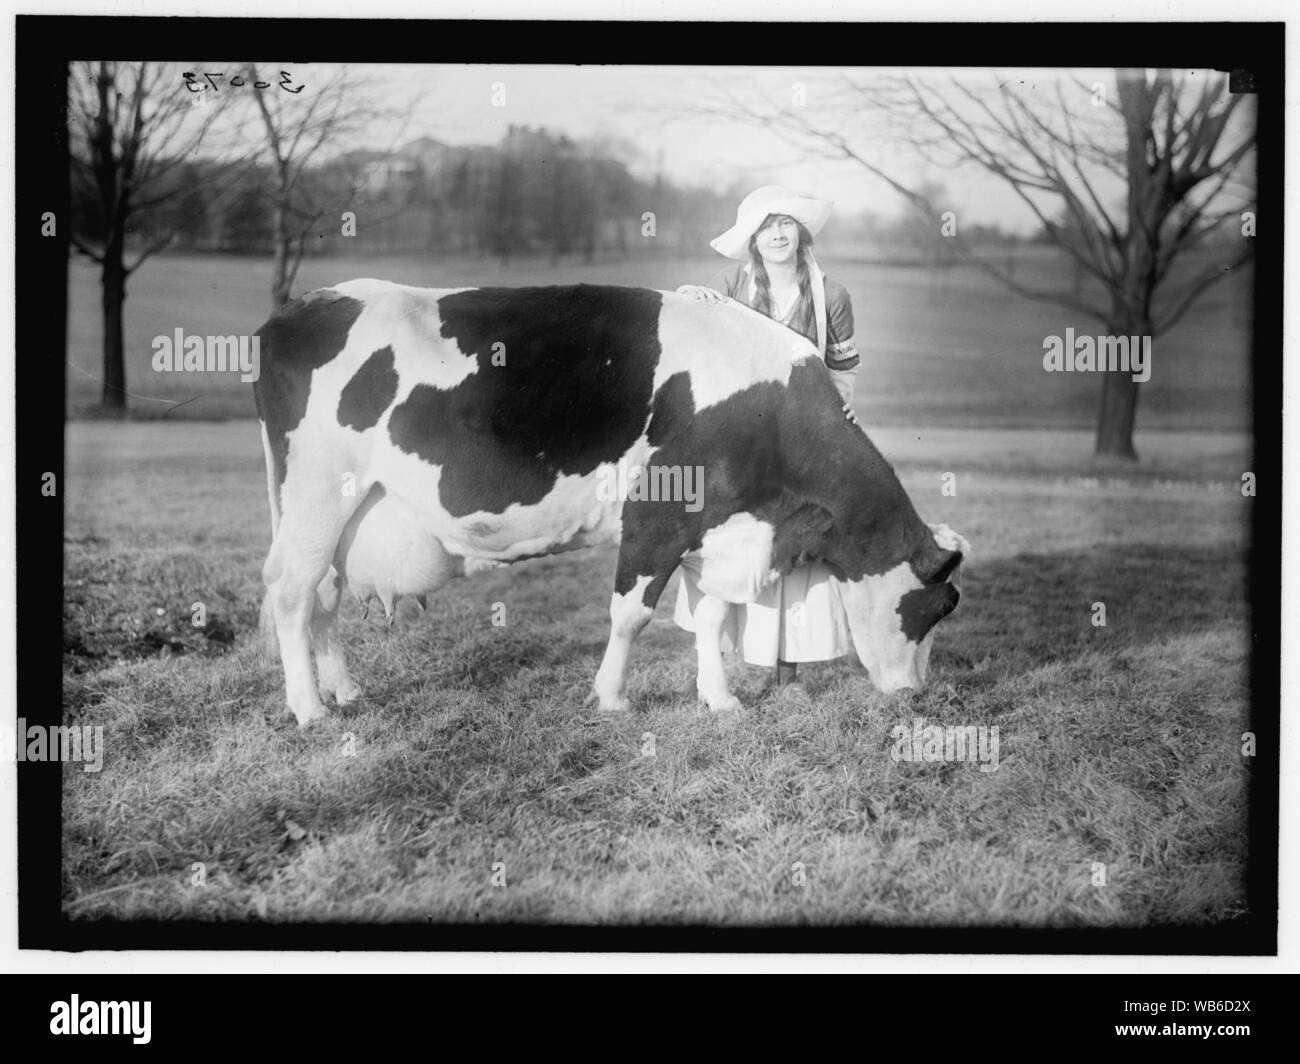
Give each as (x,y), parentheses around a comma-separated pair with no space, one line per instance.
(45,45)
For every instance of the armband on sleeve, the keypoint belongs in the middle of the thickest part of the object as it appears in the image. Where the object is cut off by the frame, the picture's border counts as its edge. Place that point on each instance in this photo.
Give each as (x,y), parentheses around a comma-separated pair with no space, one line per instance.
(841,354)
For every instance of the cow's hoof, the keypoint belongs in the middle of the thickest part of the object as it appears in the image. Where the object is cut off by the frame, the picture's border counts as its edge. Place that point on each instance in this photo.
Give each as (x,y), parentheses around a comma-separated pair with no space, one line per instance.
(346,693)
(727,703)
(619,704)
(311,716)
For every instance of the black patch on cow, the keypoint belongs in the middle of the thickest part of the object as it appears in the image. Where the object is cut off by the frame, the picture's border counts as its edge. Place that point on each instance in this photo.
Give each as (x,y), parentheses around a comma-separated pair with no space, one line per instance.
(300,337)
(370,392)
(828,462)
(925,607)
(575,391)
(736,445)
(801,536)
(674,407)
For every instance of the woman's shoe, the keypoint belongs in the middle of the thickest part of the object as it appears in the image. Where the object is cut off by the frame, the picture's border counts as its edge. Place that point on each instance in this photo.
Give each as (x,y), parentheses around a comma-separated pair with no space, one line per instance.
(786,694)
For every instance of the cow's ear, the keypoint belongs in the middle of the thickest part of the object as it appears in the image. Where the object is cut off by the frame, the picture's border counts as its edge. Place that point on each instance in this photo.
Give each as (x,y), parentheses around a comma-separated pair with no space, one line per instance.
(947,566)
(933,564)
(938,553)
(925,607)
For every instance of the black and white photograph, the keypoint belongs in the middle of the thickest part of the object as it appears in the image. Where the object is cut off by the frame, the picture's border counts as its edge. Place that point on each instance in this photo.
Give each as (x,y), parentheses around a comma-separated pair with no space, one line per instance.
(531,492)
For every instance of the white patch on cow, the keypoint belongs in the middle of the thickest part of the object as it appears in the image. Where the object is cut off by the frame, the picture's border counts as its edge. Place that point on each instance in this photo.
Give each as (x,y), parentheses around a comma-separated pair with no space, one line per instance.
(877,628)
(406,319)
(724,348)
(272,486)
(734,560)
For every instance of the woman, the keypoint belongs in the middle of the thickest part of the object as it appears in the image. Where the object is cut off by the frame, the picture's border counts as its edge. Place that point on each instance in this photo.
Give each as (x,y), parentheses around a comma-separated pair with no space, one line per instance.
(800,617)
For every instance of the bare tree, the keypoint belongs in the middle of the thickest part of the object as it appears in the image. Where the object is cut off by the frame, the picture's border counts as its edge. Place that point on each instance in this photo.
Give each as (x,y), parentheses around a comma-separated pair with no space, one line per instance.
(133,132)
(300,121)
(1142,180)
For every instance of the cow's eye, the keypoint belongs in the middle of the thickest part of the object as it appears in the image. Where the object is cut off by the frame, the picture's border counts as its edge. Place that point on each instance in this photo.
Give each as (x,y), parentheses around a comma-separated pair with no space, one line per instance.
(922,609)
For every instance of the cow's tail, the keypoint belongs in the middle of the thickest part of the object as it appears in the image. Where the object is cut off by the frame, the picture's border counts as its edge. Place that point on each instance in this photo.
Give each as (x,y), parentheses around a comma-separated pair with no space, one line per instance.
(266,622)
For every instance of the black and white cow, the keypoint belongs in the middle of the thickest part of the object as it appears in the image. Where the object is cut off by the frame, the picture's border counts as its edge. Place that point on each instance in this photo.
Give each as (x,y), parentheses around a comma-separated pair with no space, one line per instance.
(413,435)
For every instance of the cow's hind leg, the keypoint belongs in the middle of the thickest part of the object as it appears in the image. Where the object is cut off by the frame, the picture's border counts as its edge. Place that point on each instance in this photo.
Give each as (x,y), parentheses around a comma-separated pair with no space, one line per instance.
(310,526)
(331,667)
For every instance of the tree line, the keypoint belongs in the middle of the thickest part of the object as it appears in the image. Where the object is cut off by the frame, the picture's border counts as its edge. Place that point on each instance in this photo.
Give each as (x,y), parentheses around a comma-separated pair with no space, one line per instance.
(534,192)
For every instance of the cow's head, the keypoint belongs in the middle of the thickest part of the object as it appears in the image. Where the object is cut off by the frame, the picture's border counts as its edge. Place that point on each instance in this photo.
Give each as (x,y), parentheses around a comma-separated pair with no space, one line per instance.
(892,616)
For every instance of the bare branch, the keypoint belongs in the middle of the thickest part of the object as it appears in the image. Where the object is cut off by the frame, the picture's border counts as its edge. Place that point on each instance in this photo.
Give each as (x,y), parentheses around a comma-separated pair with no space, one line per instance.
(86,249)
(152,248)
(1194,290)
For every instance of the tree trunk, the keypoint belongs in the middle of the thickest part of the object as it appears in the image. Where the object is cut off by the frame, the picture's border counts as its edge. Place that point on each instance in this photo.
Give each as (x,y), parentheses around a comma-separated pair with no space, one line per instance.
(113,295)
(1119,394)
(279,282)
(280,259)
(1119,397)
(1131,299)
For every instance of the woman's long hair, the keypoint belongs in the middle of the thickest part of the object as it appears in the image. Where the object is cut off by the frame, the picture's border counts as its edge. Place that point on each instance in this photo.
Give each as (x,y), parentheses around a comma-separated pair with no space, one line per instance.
(804,318)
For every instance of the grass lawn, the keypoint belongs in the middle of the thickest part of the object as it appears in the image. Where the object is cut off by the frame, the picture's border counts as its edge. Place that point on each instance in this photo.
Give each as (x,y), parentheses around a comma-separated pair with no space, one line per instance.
(1119,745)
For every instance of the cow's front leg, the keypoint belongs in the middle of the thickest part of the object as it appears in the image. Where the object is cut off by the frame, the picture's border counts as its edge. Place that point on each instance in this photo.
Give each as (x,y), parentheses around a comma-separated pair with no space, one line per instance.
(628,614)
(711,680)
(331,668)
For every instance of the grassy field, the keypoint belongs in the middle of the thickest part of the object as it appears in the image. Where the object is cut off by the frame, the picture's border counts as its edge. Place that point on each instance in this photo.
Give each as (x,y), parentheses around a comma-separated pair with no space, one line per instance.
(1119,745)
(965,355)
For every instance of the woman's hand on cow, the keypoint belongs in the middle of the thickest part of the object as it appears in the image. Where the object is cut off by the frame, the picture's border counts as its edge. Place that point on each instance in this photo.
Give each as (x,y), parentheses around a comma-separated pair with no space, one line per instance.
(849,415)
(700,292)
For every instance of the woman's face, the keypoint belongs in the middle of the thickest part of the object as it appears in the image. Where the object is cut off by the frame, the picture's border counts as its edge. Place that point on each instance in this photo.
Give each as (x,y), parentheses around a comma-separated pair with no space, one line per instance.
(778,239)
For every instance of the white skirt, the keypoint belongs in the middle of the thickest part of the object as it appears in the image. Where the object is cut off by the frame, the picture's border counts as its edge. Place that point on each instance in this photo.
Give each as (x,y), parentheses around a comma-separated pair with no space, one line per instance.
(799,617)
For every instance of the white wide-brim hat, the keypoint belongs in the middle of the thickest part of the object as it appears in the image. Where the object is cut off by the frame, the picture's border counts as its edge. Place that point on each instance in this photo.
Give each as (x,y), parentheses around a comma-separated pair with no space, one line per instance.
(770,199)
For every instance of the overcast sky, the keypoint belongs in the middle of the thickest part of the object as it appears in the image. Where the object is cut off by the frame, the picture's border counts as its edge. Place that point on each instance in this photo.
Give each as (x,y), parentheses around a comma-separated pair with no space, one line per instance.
(631,103)
(645,107)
